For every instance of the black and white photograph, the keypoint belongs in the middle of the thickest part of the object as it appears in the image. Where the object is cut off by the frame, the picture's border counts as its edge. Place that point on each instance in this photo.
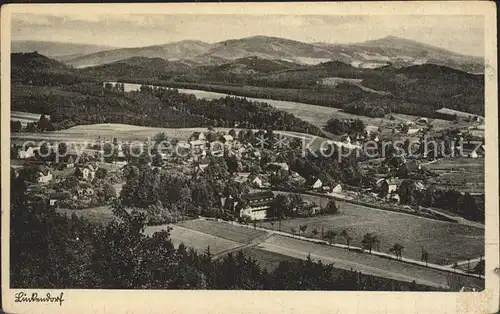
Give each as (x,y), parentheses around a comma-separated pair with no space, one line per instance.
(275,152)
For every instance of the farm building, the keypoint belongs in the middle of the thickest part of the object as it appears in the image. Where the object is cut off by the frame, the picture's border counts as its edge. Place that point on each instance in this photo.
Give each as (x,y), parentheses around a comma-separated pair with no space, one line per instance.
(450,114)
(258,204)
(388,186)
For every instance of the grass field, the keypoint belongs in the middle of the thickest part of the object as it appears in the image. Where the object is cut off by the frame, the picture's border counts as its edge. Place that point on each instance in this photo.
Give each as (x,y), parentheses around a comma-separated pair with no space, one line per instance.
(363,262)
(200,234)
(459,173)
(446,242)
(195,239)
(224,231)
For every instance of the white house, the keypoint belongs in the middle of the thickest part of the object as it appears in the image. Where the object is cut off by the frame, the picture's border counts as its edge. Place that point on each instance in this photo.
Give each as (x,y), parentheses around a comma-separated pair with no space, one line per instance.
(316,184)
(258,204)
(227,138)
(28,153)
(259,182)
(44,176)
(255,213)
(337,189)
(88,172)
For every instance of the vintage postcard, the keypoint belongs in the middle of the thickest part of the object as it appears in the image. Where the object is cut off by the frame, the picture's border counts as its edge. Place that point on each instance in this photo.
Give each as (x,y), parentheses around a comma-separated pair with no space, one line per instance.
(250,158)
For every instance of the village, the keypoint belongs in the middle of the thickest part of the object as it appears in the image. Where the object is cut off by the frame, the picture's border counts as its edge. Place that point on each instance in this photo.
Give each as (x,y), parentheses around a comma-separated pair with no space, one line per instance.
(260,160)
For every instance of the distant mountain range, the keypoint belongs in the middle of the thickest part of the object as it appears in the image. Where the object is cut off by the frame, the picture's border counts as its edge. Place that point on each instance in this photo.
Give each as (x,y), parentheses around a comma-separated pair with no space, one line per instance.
(390,50)
(57,50)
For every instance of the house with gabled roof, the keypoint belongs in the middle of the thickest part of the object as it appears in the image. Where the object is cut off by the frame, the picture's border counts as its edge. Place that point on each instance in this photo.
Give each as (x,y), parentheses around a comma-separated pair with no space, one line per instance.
(257,205)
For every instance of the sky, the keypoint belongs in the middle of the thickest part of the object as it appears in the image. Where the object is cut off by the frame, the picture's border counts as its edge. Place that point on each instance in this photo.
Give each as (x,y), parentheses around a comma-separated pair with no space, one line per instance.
(458,33)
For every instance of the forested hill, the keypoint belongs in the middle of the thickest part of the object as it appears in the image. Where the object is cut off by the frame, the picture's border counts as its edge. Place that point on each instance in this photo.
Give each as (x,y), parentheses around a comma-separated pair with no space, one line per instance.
(418,89)
(89,103)
(36,69)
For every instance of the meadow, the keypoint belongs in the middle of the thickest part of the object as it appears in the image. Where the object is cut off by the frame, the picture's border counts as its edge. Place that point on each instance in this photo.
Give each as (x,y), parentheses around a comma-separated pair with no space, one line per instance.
(364,262)
(195,239)
(446,242)
(224,231)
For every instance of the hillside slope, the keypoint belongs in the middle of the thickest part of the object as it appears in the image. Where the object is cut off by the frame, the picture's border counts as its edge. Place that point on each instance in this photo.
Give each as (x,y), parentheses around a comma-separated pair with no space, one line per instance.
(57,50)
(171,51)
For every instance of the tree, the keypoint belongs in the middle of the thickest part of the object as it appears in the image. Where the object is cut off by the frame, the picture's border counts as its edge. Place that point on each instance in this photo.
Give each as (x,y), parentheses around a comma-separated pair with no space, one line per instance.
(331,207)
(425,256)
(157,160)
(330,236)
(62,149)
(303,229)
(100,173)
(369,240)
(44,124)
(232,133)
(16,126)
(346,236)
(397,250)
(314,232)
(281,206)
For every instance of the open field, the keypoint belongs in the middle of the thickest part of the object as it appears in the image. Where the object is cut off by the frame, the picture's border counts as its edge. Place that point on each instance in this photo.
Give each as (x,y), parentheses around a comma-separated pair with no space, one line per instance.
(446,242)
(314,114)
(94,133)
(195,239)
(319,115)
(228,232)
(459,173)
(271,250)
(363,262)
